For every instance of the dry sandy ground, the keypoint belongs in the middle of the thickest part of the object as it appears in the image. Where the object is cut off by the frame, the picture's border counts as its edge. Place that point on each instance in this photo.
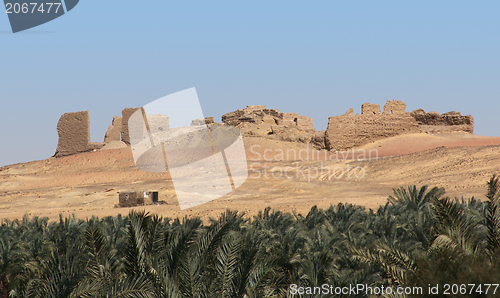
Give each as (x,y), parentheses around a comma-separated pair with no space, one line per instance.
(88,184)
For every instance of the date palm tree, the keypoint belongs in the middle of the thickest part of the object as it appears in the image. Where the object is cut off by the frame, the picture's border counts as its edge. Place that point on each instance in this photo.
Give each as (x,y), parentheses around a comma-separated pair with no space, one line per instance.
(463,242)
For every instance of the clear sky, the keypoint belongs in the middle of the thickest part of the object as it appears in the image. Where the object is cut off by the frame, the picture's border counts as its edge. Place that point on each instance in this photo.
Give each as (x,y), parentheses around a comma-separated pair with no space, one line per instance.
(318,58)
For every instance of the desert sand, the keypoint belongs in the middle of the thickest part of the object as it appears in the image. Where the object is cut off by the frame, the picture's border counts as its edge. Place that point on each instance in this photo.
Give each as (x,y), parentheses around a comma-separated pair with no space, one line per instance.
(87,184)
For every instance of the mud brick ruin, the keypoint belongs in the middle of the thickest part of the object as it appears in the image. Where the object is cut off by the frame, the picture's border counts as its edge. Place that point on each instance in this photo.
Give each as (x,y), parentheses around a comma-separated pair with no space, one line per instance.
(126,113)
(263,115)
(74,134)
(114,130)
(433,122)
(349,130)
(259,121)
(343,132)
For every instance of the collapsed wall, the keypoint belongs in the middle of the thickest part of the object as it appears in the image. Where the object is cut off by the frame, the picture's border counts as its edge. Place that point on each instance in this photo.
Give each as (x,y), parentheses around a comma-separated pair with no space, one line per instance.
(434,122)
(119,129)
(349,130)
(343,132)
(261,114)
(397,107)
(74,134)
(259,121)
(126,113)
(368,109)
(113,134)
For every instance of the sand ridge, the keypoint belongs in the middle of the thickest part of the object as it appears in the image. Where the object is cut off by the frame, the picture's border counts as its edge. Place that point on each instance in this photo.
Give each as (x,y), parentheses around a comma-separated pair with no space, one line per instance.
(88,184)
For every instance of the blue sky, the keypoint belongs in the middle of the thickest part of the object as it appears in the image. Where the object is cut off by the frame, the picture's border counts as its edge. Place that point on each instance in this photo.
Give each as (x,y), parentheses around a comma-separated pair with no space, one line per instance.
(318,58)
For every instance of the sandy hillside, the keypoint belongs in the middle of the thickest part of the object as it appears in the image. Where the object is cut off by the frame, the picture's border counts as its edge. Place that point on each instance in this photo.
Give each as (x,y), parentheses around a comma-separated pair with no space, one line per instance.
(284,176)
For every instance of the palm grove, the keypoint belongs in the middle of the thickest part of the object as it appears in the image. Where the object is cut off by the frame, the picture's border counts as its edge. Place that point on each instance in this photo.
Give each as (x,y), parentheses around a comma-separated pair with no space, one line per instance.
(418,238)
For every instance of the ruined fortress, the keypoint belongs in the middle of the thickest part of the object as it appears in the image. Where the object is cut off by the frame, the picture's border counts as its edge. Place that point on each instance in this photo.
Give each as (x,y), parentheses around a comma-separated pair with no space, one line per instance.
(343,132)
(74,133)
(349,130)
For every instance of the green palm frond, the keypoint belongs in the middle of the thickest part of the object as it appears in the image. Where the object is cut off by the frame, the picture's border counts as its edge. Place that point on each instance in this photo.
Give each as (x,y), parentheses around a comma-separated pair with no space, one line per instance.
(414,198)
(492,215)
(137,259)
(454,223)
(132,287)
(227,266)
(394,262)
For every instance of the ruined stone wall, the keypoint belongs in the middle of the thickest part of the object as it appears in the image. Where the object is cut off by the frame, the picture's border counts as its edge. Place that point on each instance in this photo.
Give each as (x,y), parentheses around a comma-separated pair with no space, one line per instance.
(272,112)
(396,107)
(74,134)
(114,130)
(370,109)
(252,114)
(260,114)
(434,122)
(289,118)
(343,132)
(347,131)
(259,121)
(305,123)
(126,113)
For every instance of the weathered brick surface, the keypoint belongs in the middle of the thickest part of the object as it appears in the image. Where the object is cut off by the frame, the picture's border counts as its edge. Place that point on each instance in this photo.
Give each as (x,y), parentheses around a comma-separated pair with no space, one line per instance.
(370,109)
(114,130)
(305,123)
(289,118)
(396,107)
(347,131)
(343,132)
(261,114)
(271,123)
(435,122)
(126,113)
(74,134)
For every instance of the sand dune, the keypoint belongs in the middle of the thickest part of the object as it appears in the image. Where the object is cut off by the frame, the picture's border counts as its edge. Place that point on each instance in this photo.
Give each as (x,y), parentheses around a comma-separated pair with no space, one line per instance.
(87,184)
